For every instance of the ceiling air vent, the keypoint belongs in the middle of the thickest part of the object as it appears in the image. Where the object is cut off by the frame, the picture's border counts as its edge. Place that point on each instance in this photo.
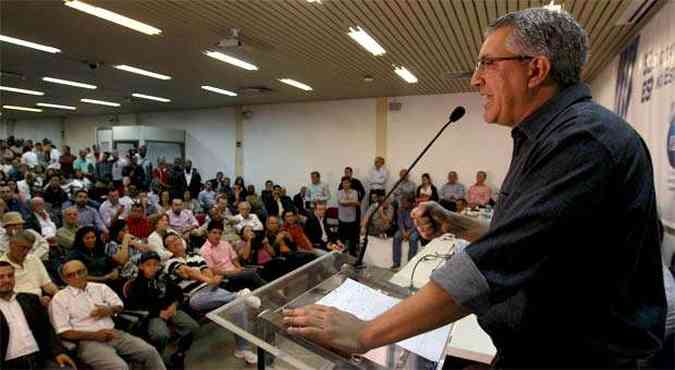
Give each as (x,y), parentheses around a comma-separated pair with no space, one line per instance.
(254,90)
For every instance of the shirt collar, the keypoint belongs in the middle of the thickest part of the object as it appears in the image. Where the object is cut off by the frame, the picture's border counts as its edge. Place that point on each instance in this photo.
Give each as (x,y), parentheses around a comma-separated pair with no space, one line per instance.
(534,124)
(11,299)
(77,291)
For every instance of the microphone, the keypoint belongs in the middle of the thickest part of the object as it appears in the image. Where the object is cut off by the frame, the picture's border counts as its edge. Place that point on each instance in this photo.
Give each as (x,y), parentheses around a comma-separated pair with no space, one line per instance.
(455,116)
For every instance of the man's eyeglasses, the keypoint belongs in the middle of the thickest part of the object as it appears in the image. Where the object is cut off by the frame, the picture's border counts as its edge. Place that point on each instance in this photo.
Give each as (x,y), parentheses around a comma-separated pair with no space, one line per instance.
(488,61)
(76,273)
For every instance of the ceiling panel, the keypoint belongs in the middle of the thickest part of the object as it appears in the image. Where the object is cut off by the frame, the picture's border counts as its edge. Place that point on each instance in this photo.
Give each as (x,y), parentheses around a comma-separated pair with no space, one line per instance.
(284,38)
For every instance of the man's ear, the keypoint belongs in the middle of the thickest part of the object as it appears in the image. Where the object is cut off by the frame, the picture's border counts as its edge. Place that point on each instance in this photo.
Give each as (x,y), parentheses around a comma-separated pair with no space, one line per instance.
(539,71)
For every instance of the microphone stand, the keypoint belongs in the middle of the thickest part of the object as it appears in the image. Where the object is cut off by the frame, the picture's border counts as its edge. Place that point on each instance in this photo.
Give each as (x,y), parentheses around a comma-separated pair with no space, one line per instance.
(364,244)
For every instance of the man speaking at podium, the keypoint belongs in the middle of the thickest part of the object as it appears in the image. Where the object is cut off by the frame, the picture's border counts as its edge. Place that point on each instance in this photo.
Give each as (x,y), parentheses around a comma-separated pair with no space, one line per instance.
(569,273)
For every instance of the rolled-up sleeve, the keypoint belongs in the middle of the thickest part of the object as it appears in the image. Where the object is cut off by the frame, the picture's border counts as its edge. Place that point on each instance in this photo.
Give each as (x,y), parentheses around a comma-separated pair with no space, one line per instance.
(462,280)
(59,315)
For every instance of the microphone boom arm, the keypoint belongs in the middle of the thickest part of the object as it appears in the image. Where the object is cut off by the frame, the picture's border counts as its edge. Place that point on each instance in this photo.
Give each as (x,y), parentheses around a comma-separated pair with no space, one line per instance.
(364,245)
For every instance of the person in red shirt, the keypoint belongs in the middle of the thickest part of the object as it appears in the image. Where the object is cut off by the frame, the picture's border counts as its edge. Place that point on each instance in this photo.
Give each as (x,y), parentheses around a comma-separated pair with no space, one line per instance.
(297,233)
(139,225)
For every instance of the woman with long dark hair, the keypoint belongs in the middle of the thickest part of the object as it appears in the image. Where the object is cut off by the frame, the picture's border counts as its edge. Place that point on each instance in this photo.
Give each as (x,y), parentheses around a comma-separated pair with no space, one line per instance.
(102,268)
(427,190)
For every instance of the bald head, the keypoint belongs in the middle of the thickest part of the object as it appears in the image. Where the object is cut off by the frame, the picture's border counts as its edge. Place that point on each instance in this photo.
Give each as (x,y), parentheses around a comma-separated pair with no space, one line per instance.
(37,204)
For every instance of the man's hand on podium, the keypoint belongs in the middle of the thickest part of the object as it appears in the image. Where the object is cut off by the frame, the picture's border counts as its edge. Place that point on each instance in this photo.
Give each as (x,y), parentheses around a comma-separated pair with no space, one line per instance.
(328,327)
(432,221)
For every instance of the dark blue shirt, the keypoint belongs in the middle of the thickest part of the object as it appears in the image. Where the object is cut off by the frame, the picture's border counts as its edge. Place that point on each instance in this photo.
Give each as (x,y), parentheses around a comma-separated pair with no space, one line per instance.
(569,273)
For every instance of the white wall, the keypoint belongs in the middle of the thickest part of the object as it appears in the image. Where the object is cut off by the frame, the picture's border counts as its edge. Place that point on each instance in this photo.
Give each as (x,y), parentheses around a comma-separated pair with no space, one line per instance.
(210,136)
(285,142)
(603,88)
(469,146)
(36,129)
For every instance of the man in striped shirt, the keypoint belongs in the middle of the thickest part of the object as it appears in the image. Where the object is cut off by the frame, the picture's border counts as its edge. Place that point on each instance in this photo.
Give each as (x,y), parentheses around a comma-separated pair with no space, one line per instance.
(202,287)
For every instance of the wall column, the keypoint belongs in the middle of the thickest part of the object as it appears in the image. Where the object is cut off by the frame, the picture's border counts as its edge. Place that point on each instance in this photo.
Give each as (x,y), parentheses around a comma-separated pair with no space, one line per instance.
(381,110)
(239,142)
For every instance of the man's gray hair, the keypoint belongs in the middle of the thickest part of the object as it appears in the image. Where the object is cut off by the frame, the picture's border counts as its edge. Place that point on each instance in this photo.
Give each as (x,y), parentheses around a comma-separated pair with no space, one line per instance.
(23,236)
(556,35)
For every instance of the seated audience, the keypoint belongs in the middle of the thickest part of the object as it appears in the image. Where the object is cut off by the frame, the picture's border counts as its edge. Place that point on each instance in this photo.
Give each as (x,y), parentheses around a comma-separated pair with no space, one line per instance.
(451,192)
(125,249)
(230,234)
(115,208)
(29,272)
(222,259)
(257,206)
(191,204)
(54,194)
(479,194)
(13,203)
(348,211)
(101,268)
(267,195)
(407,231)
(283,245)
(254,250)
(182,220)
(164,205)
(161,297)
(278,204)
(427,190)
(65,235)
(29,340)
(207,197)
(383,220)
(43,224)
(13,224)
(138,223)
(202,287)
(296,232)
(89,216)
(82,313)
(246,218)
(318,231)
(160,224)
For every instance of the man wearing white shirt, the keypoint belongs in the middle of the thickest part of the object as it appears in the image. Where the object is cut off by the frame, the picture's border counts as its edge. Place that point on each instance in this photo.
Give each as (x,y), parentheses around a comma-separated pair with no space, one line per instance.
(29,272)
(119,163)
(82,313)
(29,157)
(29,341)
(115,207)
(13,224)
(41,217)
(378,177)
(246,218)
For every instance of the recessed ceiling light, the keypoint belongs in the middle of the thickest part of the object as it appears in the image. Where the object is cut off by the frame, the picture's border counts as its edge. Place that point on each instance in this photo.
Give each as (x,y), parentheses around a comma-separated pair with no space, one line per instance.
(26,109)
(231,60)
(69,83)
(295,83)
(21,91)
(405,74)
(142,72)
(100,102)
(366,41)
(57,106)
(219,91)
(28,44)
(150,97)
(113,17)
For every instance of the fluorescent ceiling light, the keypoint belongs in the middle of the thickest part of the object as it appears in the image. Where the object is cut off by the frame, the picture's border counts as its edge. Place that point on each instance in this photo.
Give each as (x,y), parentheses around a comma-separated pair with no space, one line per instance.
(69,83)
(21,91)
(150,97)
(29,44)
(143,72)
(57,106)
(219,91)
(100,102)
(406,75)
(16,107)
(231,60)
(113,17)
(366,41)
(295,83)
